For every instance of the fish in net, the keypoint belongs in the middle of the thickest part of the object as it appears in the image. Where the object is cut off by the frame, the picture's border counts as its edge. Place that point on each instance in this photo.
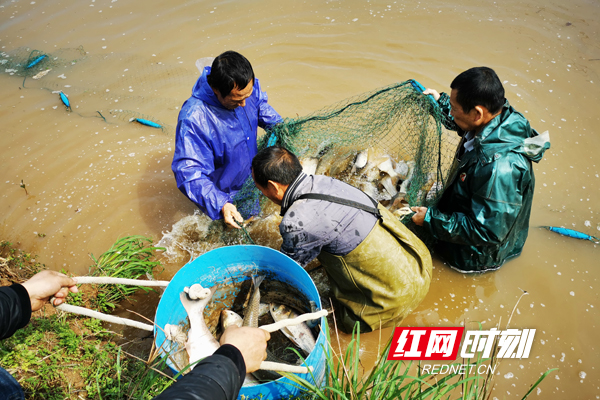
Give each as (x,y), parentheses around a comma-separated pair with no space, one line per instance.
(391,143)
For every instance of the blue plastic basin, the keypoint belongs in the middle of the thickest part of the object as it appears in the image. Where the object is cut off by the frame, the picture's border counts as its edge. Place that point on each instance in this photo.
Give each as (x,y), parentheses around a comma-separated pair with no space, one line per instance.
(236,264)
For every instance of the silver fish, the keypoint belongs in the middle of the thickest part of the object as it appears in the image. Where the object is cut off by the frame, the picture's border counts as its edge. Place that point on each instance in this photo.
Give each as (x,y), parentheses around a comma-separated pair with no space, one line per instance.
(252,310)
(436,188)
(389,186)
(251,314)
(263,309)
(201,343)
(299,334)
(361,160)
(309,165)
(387,166)
(371,172)
(229,318)
(411,171)
(41,74)
(402,169)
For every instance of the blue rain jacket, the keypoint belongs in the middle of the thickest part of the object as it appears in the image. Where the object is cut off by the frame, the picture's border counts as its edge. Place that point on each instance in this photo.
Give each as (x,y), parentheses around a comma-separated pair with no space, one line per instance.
(214,146)
(482,218)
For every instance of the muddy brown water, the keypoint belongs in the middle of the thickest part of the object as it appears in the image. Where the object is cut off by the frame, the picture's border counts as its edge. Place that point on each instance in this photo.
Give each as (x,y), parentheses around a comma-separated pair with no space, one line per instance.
(90,182)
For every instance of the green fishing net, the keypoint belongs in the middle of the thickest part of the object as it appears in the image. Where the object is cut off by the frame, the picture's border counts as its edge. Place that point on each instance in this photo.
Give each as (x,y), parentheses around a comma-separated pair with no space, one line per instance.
(27,63)
(82,78)
(390,142)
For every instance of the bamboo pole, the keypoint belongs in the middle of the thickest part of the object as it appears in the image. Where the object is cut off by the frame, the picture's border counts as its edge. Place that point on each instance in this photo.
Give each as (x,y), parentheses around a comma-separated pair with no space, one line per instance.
(106,280)
(294,321)
(105,317)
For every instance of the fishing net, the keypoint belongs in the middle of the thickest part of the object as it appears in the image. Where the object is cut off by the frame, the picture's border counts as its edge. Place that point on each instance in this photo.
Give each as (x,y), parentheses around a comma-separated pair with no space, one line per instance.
(391,143)
(26,62)
(114,98)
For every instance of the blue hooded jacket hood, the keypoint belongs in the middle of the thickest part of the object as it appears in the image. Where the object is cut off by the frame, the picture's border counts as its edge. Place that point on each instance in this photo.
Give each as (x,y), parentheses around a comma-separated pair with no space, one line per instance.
(203,91)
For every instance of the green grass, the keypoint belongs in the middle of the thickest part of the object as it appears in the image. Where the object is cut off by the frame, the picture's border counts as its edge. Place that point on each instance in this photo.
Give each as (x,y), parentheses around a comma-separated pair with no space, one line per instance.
(130,257)
(395,379)
(63,356)
(52,360)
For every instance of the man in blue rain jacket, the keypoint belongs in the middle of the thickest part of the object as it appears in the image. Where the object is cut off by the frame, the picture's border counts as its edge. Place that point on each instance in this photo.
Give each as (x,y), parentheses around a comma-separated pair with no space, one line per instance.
(482,219)
(216,135)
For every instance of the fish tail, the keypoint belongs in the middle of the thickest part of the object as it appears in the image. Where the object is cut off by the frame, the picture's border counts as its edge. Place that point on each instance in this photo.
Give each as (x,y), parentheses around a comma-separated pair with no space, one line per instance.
(257,280)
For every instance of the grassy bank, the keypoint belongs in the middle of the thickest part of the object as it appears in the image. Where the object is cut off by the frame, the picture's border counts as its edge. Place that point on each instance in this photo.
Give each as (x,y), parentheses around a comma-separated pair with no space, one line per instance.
(391,380)
(64,356)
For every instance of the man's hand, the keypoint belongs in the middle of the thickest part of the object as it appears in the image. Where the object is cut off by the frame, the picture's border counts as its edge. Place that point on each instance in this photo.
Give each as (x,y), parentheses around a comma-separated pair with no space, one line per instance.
(45,284)
(251,342)
(231,214)
(432,92)
(419,216)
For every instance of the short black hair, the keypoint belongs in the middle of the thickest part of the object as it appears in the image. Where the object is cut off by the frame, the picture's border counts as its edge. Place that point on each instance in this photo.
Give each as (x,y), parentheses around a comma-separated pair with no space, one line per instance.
(479,86)
(230,70)
(276,164)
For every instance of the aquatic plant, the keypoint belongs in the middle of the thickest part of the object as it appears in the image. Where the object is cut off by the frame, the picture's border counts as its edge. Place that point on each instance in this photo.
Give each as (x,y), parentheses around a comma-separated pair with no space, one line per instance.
(129,257)
(396,379)
(24,187)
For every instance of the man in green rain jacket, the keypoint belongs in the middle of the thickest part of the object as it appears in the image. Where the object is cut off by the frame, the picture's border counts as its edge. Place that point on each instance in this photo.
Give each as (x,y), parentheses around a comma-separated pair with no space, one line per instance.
(482,219)
(379,271)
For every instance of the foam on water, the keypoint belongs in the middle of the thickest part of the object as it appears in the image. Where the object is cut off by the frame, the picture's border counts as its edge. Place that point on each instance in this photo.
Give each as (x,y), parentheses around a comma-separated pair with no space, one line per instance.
(187,238)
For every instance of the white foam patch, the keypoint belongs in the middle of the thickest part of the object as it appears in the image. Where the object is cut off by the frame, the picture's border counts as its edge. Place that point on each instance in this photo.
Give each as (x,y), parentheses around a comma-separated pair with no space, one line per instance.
(187,238)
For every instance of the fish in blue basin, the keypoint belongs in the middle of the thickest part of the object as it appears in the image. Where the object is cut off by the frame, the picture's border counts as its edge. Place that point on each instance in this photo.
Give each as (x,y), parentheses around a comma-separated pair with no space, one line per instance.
(201,343)
(229,318)
(253,309)
(300,334)
(251,315)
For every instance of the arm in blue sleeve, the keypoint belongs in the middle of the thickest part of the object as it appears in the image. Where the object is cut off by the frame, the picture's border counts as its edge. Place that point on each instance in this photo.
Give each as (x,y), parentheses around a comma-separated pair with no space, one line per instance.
(267,116)
(193,166)
(493,211)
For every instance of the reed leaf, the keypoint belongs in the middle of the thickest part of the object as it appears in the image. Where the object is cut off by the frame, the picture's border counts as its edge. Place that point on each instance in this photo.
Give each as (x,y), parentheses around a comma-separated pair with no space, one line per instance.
(392,379)
(541,378)
(129,257)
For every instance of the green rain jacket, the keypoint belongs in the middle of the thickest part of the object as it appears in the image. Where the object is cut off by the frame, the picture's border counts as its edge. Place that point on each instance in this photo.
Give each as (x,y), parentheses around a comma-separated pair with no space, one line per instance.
(482,218)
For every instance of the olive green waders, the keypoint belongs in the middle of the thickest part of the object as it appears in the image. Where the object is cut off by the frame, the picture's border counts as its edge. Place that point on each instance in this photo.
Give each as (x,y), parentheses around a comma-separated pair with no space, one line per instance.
(383,279)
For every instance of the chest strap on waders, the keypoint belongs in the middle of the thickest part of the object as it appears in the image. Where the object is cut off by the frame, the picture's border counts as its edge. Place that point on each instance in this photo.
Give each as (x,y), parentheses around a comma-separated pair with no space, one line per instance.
(344,202)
